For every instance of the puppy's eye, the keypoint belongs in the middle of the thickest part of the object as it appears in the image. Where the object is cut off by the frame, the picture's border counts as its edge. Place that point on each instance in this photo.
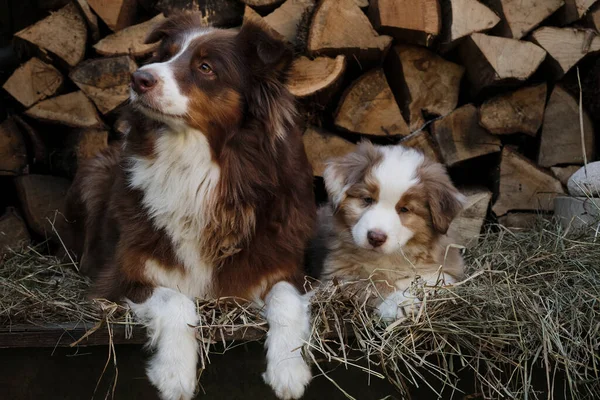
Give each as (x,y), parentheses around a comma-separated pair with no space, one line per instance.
(404,210)
(205,68)
(368,200)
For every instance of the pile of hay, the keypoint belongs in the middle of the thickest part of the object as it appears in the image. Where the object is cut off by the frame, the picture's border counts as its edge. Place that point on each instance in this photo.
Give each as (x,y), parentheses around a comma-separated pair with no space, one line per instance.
(532,300)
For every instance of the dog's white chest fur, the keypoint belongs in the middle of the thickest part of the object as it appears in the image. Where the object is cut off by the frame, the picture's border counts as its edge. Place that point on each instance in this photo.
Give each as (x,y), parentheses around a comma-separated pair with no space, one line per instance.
(178,186)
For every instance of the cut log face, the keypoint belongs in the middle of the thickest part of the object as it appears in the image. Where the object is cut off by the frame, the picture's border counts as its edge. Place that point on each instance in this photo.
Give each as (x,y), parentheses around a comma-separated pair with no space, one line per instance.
(464,17)
(494,60)
(593,18)
(519,17)
(117,14)
(564,173)
(415,21)
(41,197)
(574,10)
(566,46)
(308,77)
(73,109)
(13,232)
(90,18)
(63,34)
(423,142)
(460,137)
(521,111)
(369,107)
(105,81)
(13,152)
(287,17)
(340,27)
(524,186)
(561,133)
(253,16)
(130,40)
(466,227)
(426,84)
(321,146)
(33,81)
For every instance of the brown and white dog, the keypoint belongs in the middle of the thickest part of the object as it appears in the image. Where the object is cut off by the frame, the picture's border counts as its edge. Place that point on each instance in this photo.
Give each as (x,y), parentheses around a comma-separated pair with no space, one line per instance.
(210,195)
(385,224)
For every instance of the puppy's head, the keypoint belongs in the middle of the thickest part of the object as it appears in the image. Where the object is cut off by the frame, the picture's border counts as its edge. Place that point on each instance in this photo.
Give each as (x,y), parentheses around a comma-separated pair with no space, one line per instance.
(391,197)
(207,78)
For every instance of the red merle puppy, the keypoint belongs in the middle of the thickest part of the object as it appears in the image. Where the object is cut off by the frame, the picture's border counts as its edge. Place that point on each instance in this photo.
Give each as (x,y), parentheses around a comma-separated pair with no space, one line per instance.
(210,195)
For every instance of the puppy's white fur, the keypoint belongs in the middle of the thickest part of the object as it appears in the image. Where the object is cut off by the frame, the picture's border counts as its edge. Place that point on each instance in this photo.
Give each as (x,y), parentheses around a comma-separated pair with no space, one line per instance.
(289,329)
(170,318)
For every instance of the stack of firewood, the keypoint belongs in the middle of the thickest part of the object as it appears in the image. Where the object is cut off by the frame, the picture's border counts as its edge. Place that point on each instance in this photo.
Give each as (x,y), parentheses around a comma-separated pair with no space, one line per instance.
(488,88)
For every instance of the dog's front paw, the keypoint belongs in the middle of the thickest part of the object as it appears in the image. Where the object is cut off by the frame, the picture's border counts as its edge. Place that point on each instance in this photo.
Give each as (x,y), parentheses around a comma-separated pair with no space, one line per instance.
(288,378)
(397,306)
(173,380)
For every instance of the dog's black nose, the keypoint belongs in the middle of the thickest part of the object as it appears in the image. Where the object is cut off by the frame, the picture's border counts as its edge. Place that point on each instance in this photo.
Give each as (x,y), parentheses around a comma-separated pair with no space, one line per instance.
(376,237)
(142,81)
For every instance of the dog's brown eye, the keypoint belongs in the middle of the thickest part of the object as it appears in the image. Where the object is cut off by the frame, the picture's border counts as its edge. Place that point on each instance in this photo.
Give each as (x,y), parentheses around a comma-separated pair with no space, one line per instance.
(205,68)
(367,200)
(404,210)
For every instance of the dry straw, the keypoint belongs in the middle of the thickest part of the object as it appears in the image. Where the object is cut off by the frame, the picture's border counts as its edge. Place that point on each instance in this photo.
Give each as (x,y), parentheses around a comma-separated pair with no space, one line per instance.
(532,300)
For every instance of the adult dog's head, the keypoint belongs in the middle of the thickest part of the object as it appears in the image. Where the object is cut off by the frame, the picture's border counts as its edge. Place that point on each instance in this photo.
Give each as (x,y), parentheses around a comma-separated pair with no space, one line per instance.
(391,197)
(212,80)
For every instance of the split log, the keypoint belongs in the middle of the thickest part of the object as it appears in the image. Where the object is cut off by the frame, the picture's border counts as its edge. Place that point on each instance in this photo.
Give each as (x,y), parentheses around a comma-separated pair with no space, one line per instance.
(253,16)
(422,141)
(129,40)
(13,232)
(42,199)
(63,34)
(565,46)
(593,18)
(368,107)
(33,81)
(73,109)
(493,61)
(308,77)
(262,3)
(412,21)
(519,17)
(286,18)
(424,83)
(105,80)
(466,227)
(564,173)
(462,18)
(521,111)
(520,220)
(218,13)
(40,153)
(524,186)
(459,136)
(90,18)
(340,27)
(13,151)
(320,146)
(574,10)
(561,133)
(117,14)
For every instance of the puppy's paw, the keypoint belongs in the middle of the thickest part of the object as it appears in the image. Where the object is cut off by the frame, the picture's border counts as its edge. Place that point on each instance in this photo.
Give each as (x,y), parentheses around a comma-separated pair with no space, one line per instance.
(397,306)
(289,377)
(174,381)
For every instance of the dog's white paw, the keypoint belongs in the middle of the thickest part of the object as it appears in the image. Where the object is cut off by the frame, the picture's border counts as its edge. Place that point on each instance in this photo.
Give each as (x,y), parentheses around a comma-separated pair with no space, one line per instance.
(174,381)
(288,378)
(397,306)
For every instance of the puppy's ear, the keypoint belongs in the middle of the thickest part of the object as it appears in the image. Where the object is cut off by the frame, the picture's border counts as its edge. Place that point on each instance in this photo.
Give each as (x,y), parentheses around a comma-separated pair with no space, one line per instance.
(343,172)
(176,23)
(265,48)
(445,201)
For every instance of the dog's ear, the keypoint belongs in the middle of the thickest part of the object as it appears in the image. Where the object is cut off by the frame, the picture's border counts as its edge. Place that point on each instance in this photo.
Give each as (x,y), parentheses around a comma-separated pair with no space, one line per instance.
(343,172)
(445,201)
(264,48)
(171,26)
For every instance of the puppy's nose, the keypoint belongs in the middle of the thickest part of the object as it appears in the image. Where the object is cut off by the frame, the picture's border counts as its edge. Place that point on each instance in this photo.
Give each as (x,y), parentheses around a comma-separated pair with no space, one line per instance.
(142,81)
(376,237)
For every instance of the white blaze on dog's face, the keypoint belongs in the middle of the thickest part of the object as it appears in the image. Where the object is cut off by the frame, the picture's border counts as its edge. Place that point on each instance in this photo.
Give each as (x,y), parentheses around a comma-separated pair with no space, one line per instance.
(390,197)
